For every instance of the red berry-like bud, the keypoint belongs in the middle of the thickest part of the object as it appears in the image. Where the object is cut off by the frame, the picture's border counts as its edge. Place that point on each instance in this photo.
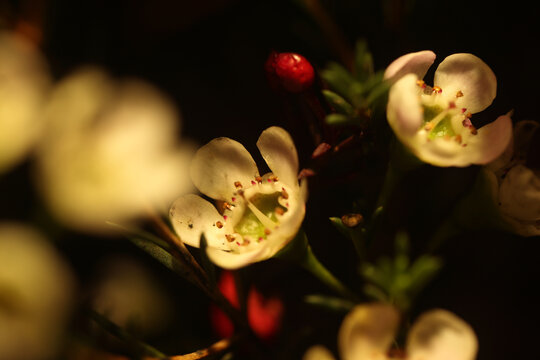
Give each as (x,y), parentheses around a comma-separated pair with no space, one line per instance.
(290,71)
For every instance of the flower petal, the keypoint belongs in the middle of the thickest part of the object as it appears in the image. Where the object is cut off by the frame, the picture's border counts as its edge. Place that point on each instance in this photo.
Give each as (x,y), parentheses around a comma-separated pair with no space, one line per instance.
(219,164)
(441,335)
(404,111)
(318,352)
(191,216)
(278,150)
(231,260)
(490,142)
(367,332)
(519,194)
(416,63)
(470,75)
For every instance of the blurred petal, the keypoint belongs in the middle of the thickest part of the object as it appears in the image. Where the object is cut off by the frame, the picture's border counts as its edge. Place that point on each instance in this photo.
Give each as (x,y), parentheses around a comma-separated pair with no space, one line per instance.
(519,194)
(218,165)
(441,335)
(191,216)
(416,63)
(368,331)
(278,150)
(318,352)
(470,75)
(490,142)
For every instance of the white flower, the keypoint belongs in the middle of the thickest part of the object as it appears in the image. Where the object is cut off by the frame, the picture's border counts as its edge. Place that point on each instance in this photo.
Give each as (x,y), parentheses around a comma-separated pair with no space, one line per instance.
(515,186)
(435,122)
(36,289)
(110,152)
(368,332)
(24,81)
(260,215)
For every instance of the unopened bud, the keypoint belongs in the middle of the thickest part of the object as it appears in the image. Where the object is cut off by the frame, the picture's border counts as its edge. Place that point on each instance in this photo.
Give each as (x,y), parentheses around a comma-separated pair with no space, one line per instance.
(289,71)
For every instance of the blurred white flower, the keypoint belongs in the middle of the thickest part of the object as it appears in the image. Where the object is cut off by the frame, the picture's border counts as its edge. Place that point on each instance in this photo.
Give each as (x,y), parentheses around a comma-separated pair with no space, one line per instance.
(260,214)
(128,295)
(110,151)
(515,186)
(368,332)
(435,122)
(24,81)
(36,293)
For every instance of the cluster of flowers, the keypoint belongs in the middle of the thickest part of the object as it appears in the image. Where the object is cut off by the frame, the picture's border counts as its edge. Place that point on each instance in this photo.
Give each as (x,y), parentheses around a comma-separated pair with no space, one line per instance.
(106,150)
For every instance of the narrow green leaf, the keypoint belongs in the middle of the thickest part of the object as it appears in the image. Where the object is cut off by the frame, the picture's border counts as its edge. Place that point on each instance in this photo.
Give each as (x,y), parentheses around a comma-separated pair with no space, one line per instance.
(338,79)
(329,302)
(338,120)
(363,61)
(338,103)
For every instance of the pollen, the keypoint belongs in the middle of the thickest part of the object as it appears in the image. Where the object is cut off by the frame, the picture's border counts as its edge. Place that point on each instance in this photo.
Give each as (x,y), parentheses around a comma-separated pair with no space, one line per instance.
(230,238)
(258,179)
(273,178)
(437,90)
(238,184)
(219,224)
(227,206)
(279,210)
(459,94)
(421,83)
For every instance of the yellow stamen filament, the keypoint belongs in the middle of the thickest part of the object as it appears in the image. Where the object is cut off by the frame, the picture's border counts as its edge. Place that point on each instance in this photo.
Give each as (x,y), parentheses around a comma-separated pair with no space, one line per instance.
(265,220)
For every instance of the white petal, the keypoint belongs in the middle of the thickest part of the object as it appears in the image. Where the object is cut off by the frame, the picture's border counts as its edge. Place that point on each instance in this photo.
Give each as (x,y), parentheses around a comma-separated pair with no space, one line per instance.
(441,335)
(278,150)
(232,260)
(404,111)
(470,75)
(519,194)
(413,63)
(219,164)
(490,142)
(318,352)
(367,332)
(192,216)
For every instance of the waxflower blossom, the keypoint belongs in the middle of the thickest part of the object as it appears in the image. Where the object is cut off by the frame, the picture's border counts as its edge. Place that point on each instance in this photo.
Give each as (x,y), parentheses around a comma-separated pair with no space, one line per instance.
(435,122)
(36,295)
(110,152)
(258,215)
(515,185)
(24,81)
(368,332)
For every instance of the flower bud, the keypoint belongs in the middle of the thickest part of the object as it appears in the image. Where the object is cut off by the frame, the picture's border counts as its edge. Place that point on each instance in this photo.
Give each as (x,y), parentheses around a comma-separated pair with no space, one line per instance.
(289,71)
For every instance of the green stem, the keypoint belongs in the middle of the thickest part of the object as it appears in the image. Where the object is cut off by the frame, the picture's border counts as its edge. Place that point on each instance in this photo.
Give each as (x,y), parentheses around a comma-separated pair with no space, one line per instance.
(314,266)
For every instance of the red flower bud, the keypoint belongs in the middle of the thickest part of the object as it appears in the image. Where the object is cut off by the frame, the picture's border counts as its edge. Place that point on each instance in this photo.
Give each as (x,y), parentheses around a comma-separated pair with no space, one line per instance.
(289,71)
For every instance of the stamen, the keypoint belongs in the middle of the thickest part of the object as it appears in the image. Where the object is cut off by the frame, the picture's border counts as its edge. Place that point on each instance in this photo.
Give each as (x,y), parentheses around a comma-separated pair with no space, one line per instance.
(437,90)
(225,217)
(260,239)
(459,139)
(267,231)
(258,179)
(463,110)
(467,123)
(451,105)
(421,83)
(474,131)
(428,126)
(438,118)
(253,182)
(279,210)
(284,193)
(238,184)
(246,242)
(230,238)
(219,224)
(459,94)
(233,199)
(228,206)
(273,178)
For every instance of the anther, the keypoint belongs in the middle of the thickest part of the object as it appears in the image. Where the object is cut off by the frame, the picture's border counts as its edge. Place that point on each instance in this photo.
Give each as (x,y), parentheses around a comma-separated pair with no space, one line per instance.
(468,115)
(428,126)
(233,199)
(238,184)
(230,238)
(219,224)
(452,105)
(253,182)
(279,210)
(463,110)
(227,206)
(459,139)
(284,193)
(459,94)
(474,131)
(267,231)
(421,83)
(246,242)
(258,179)
(260,239)
(467,123)
(437,90)
(225,217)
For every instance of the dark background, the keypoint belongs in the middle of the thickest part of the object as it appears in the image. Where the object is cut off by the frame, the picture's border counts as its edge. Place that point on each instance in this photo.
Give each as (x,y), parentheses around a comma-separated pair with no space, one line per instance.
(209,57)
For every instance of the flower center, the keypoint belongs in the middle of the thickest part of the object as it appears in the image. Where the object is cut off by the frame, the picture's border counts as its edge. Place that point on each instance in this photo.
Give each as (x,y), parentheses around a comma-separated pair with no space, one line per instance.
(442,118)
(254,212)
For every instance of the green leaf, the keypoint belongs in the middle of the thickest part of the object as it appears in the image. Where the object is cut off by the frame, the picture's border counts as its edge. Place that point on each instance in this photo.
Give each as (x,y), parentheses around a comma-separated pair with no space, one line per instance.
(329,302)
(338,79)
(339,120)
(379,92)
(338,103)
(363,61)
